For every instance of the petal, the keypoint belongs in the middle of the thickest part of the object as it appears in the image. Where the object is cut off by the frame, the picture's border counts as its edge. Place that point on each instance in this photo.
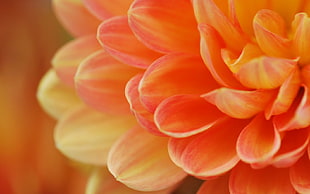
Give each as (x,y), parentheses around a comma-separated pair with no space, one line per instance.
(305,74)
(104,9)
(292,148)
(146,166)
(239,103)
(299,174)
(185,115)
(210,50)
(86,135)
(207,12)
(244,179)
(68,58)
(288,9)
(210,153)
(286,95)
(265,72)
(215,186)
(270,33)
(174,74)
(100,82)
(163,26)
(55,97)
(75,17)
(258,141)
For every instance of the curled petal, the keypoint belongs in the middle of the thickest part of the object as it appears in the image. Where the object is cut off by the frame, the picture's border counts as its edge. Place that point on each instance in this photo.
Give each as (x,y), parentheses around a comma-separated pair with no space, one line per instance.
(215,186)
(68,58)
(163,26)
(75,17)
(101,80)
(117,39)
(185,115)
(86,135)
(244,179)
(269,28)
(299,174)
(258,141)
(265,72)
(239,103)
(202,155)
(174,74)
(55,97)
(289,9)
(146,166)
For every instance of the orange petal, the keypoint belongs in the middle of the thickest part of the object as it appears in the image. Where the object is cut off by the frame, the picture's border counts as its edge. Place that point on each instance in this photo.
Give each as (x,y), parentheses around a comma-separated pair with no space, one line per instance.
(215,186)
(75,17)
(210,153)
(265,72)
(293,146)
(305,74)
(163,26)
(301,29)
(207,12)
(117,39)
(210,49)
(299,174)
(174,74)
(239,103)
(185,115)
(258,141)
(270,33)
(104,9)
(286,95)
(68,58)
(288,9)
(85,135)
(146,166)
(298,115)
(55,97)
(101,80)
(244,179)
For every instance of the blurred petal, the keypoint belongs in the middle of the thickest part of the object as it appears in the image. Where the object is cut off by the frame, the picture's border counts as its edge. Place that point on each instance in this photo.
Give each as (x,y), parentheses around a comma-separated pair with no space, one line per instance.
(202,155)
(104,9)
(163,26)
(68,58)
(288,9)
(270,33)
(239,103)
(174,74)
(100,82)
(265,72)
(215,186)
(300,176)
(86,135)
(117,38)
(55,97)
(258,141)
(75,17)
(146,166)
(292,148)
(305,74)
(185,115)
(244,179)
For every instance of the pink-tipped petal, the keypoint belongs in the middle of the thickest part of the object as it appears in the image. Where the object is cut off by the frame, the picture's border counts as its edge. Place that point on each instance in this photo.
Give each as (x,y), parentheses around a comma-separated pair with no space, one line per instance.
(270,33)
(215,186)
(163,26)
(210,50)
(259,141)
(86,135)
(174,74)
(246,180)
(146,166)
(266,72)
(104,9)
(75,17)
(100,82)
(300,176)
(293,146)
(202,155)
(185,115)
(239,103)
(68,58)
(117,38)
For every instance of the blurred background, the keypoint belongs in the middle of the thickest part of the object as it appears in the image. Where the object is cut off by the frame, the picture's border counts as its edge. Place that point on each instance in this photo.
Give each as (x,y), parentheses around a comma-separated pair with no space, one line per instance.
(29,161)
